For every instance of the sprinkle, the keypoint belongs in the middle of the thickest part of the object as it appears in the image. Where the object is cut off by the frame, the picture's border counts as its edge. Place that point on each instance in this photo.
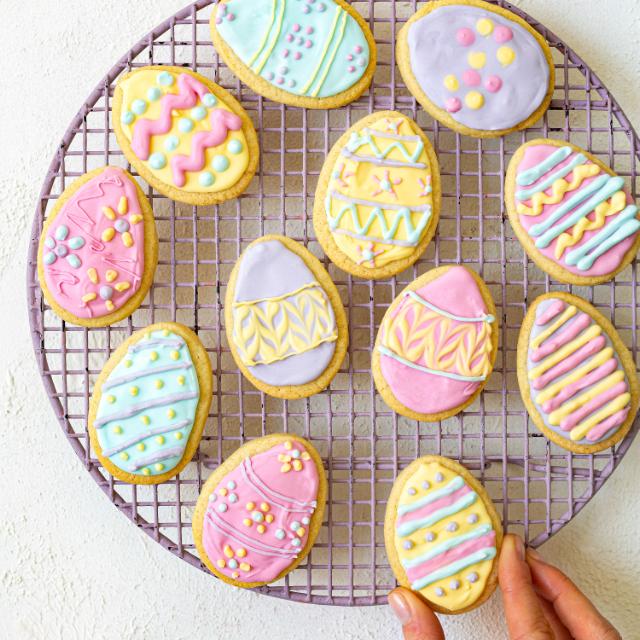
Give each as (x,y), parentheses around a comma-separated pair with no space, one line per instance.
(280,534)
(439,592)
(139,107)
(181,380)
(426,485)
(135,218)
(261,528)
(250,506)
(157,161)
(472,518)
(439,477)
(141,446)
(159,466)
(174,355)
(111,399)
(110,275)
(245,566)
(411,491)
(233,497)
(209,100)
(185,125)
(407,544)
(171,413)
(223,491)
(117,429)
(285,468)
(473,577)
(287,445)
(146,471)
(124,456)
(128,363)
(296,542)
(294,526)
(295,453)
(106,292)
(264,506)
(256,516)
(454,584)
(305,520)
(134,391)
(241,552)
(89,297)
(107,234)
(212,497)
(122,286)
(222,507)
(301,531)
(305,455)
(127,240)
(145,419)
(297,465)
(231,485)
(123,205)
(178,435)
(62,232)
(92,274)
(452,526)
(221,563)
(110,306)
(108,212)
(235,574)
(232,564)
(228,551)
(246,522)
(269,517)
(430,537)
(198,113)
(121,225)
(160,440)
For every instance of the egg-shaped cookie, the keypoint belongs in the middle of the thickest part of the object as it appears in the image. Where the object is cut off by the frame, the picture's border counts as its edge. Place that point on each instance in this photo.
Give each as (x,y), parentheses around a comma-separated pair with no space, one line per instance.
(284,319)
(317,54)
(577,378)
(186,136)
(98,249)
(150,403)
(571,212)
(443,535)
(477,68)
(437,345)
(260,511)
(378,197)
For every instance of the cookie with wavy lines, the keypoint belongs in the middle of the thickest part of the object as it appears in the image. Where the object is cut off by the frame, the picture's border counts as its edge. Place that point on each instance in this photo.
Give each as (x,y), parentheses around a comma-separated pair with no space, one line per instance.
(577,378)
(186,136)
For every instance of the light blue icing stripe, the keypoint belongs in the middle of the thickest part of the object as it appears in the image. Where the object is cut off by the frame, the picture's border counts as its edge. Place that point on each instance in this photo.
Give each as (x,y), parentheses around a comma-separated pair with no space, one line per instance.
(356,141)
(131,377)
(414,296)
(451,543)
(407,528)
(445,374)
(455,484)
(624,225)
(536,172)
(454,567)
(525,194)
(143,435)
(612,186)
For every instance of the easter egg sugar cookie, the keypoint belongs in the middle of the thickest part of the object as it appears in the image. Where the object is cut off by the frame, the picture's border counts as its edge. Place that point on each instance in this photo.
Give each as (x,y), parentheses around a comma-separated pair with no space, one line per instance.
(186,136)
(378,197)
(98,249)
(443,535)
(150,403)
(260,511)
(571,212)
(284,319)
(436,345)
(318,54)
(476,67)
(577,378)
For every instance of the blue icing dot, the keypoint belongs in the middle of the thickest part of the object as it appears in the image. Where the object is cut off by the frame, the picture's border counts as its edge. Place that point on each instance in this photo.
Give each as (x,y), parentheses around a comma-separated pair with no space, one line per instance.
(295,453)
(305,520)
(198,113)
(49,242)
(256,516)
(128,117)
(233,497)
(206,179)
(106,292)
(235,147)
(153,94)
(220,163)
(296,542)
(74,261)
(171,143)
(209,100)
(121,225)
(49,258)
(232,563)
(222,507)
(295,525)
(280,534)
(157,160)
(62,232)
(185,125)
(76,242)
(231,485)
(165,79)
(139,106)
(61,251)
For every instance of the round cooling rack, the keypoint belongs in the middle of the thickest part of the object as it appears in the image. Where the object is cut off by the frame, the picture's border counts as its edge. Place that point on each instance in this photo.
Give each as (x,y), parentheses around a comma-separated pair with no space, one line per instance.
(537,486)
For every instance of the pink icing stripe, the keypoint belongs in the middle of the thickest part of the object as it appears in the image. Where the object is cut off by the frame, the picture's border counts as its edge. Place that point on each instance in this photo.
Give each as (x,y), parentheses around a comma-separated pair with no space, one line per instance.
(556,307)
(570,390)
(189,90)
(457,553)
(551,344)
(571,362)
(612,421)
(221,122)
(434,506)
(601,399)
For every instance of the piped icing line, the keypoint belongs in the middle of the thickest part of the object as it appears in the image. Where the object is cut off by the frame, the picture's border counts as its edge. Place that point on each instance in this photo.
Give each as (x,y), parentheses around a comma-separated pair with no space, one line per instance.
(533,174)
(143,345)
(395,136)
(361,236)
(247,303)
(358,141)
(576,161)
(556,307)
(452,486)
(425,303)
(261,53)
(382,161)
(131,377)
(158,456)
(581,322)
(600,431)
(411,526)
(143,435)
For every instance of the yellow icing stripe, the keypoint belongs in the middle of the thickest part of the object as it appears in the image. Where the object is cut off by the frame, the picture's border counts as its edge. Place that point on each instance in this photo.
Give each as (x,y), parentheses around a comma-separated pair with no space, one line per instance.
(576,375)
(266,34)
(274,41)
(343,26)
(559,189)
(580,431)
(541,337)
(555,417)
(558,356)
(309,285)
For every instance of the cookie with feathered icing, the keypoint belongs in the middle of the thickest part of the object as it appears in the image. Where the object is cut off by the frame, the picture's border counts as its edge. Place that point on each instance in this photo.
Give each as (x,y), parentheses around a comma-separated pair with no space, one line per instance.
(186,136)
(260,511)
(477,68)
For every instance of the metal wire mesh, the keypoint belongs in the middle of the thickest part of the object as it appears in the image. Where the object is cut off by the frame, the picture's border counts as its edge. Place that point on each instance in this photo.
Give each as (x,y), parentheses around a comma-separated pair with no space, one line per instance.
(537,487)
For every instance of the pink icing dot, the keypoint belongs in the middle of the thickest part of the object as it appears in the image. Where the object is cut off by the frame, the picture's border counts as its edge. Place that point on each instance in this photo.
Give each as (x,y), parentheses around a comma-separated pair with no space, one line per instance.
(305,9)
(349,57)
(309,30)
(351,69)
(493,84)
(289,37)
(357,48)
(297,55)
(453,105)
(280,80)
(218,19)
(308,44)
(471,78)
(269,75)
(223,9)
(502,34)
(465,37)
(296,27)
(230,17)
(285,53)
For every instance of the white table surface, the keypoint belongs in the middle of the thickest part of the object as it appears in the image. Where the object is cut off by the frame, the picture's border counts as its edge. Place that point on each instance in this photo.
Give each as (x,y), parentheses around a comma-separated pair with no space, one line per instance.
(72,566)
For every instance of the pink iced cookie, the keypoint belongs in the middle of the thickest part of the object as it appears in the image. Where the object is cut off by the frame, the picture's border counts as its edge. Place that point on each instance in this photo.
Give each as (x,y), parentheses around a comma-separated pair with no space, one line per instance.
(98,249)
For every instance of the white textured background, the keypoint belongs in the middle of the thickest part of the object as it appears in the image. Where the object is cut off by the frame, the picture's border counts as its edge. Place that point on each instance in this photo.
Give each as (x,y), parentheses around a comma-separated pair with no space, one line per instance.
(71,566)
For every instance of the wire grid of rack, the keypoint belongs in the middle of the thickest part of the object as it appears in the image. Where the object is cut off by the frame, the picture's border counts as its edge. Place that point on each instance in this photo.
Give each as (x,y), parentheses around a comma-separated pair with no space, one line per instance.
(536,486)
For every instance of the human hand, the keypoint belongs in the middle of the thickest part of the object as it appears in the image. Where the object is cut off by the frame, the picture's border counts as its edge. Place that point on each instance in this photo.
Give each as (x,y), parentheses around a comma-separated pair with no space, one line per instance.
(540,603)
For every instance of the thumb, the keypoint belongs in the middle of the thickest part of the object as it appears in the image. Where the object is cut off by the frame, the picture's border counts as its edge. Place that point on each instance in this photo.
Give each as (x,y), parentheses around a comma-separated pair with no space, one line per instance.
(417,620)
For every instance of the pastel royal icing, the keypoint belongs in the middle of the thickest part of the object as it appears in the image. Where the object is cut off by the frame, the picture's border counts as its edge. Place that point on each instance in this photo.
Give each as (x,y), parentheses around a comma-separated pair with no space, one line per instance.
(488,72)
(93,254)
(308,48)
(379,201)
(284,327)
(148,405)
(577,382)
(444,537)
(188,137)
(435,347)
(577,215)
(258,516)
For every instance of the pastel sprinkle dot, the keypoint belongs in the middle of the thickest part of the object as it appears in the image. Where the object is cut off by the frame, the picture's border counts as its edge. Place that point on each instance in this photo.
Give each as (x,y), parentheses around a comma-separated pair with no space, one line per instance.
(231,17)
(261,528)
(309,30)
(256,516)
(165,79)
(178,435)
(285,53)
(233,497)
(411,491)
(407,544)
(477,59)
(472,577)
(351,68)
(157,160)
(269,75)
(241,552)
(247,523)
(296,542)
(264,507)
(297,55)
(222,491)
(305,520)
(473,518)
(181,380)
(426,484)
(160,440)
(505,55)
(134,391)
(159,467)
(233,563)
(306,9)
(117,429)
(127,117)
(289,37)
(451,82)
(321,7)
(49,257)
(465,37)
(139,106)
(62,232)
(283,70)
(206,178)
(452,526)
(439,477)
(222,507)
(269,517)
(484,26)
(454,584)
(221,563)
(141,446)
(245,566)
(430,537)
(493,84)
(174,355)
(280,534)
(280,80)
(295,453)
(502,34)
(213,497)
(250,506)
(308,44)
(296,27)
(128,363)
(111,399)
(300,40)
(171,413)
(362,62)
(153,356)
(74,261)
(171,143)
(287,445)
(357,48)
(153,94)
(231,485)
(185,125)
(121,225)
(474,100)
(439,592)
(76,242)
(198,113)
(61,251)
(471,78)
(235,147)
(453,105)
(124,456)
(209,100)
(145,419)
(146,471)
(50,243)
(220,163)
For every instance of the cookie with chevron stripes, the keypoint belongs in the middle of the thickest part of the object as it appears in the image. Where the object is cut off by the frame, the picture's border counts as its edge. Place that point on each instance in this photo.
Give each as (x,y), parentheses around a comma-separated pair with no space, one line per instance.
(186,136)
(378,197)
(443,535)
(318,54)
(150,403)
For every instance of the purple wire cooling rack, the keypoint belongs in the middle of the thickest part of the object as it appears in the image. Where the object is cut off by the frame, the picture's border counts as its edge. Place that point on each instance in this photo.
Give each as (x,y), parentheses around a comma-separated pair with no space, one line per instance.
(537,486)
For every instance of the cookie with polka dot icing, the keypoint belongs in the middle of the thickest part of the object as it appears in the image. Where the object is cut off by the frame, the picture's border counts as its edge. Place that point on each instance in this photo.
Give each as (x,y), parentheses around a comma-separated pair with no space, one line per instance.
(150,403)
(318,54)
(260,511)
(98,249)
(186,136)
(443,535)
(477,68)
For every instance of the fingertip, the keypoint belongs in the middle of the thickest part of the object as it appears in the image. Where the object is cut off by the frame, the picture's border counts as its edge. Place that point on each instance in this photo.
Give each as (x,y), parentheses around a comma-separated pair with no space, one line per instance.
(513,551)
(418,621)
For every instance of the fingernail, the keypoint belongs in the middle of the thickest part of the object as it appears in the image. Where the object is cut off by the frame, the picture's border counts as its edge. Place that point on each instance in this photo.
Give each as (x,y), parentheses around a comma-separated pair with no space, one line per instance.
(532,553)
(519,546)
(400,607)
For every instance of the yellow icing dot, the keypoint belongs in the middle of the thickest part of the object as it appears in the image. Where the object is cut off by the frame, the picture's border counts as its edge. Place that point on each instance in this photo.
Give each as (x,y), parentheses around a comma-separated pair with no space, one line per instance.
(484,26)
(108,213)
(474,100)
(285,468)
(269,517)
(89,297)
(506,55)
(153,356)
(235,575)
(159,466)
(122,286)
(111,399)
(221,563)
(287,445)
(300,531)
(160,439)
(146,471)
(124,456)
(451,82)
(145,419)
(128,363)
(93,275)
(171,413)
(223,492)
(110,306)
(134,391)
(110,275)
(158,384)
(108,233)
(477,59)
(180,380)
(117,429)
(305,455)
(261,528)
(228,551)
(241,553)
(250,506)
(178,435)
(123,205)
(127,239)
(141,446)
(247,522)
(297,465)
(264,507)
(175,355)
(245,566)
